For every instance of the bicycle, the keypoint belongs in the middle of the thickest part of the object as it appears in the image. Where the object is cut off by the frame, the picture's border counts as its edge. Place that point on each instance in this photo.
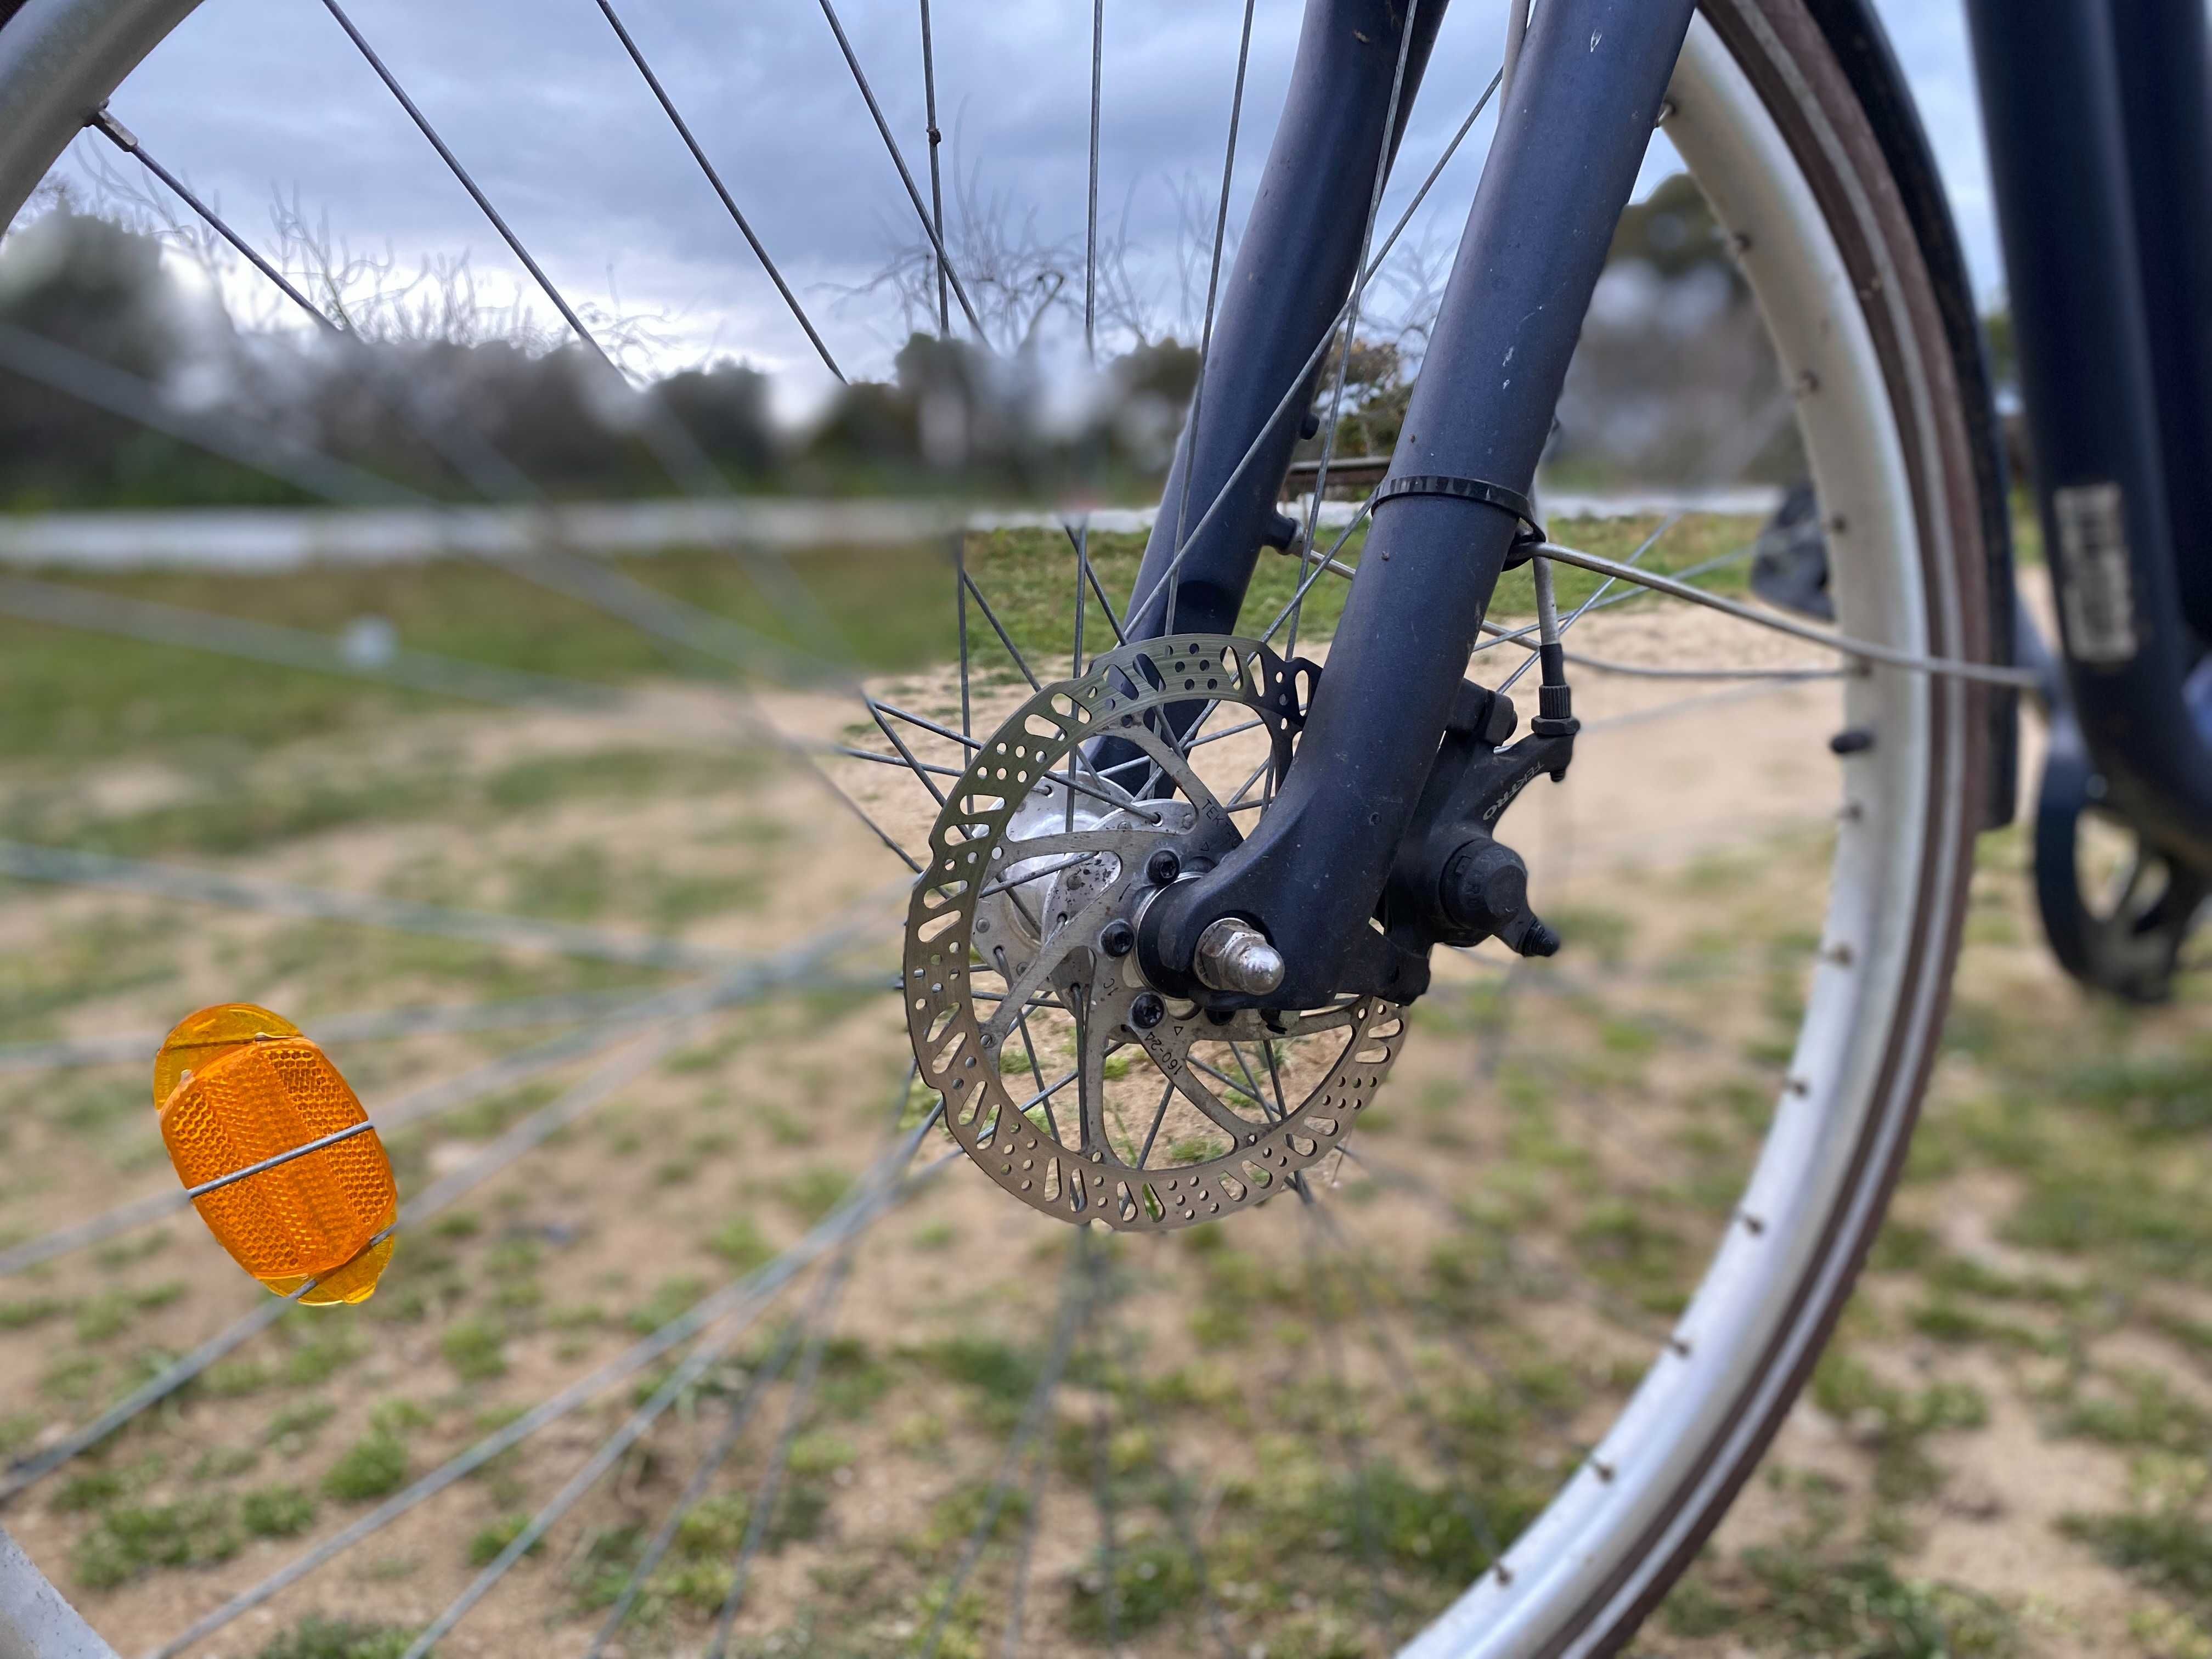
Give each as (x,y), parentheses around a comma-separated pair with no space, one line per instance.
(1257,971)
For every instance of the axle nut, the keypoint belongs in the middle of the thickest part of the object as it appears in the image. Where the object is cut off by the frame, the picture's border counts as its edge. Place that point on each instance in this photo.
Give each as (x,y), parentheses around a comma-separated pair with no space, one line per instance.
(1234,955)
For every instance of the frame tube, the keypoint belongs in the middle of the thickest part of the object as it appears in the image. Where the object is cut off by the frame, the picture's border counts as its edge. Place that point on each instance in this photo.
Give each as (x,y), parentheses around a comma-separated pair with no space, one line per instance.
(2084,277)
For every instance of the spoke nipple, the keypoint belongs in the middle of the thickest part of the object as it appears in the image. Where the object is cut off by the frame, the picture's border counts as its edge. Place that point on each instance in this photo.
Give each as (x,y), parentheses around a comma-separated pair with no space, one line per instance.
(1117,937)
(1147,1012)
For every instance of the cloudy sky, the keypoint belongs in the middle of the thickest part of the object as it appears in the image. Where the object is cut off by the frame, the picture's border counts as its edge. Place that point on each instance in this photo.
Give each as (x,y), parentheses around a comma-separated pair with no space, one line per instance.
(257,97)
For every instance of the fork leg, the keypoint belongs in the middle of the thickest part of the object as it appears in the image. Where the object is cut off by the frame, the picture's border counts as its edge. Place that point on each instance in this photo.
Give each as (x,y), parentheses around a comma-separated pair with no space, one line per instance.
(1296,261)
(1572,137)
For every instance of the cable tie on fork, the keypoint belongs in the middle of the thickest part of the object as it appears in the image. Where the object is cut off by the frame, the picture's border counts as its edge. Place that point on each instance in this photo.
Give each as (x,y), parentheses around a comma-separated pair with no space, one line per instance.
(1526,540)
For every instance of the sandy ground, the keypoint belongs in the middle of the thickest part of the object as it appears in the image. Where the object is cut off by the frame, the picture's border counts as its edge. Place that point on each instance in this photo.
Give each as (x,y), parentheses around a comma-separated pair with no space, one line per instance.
(1690,807)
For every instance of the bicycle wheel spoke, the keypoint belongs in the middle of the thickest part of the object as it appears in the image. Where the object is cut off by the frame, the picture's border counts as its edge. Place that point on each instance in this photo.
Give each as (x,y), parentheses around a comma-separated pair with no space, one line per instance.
(1351,321)
(1102,1438)
(741,1414)
(905,754)
(714,178)
(930,229)
(1090,573)
(1245,788)
(613,1075)
(1289,397)
(1091,210)
(999,627)
(738,1301)
(61,605)
(1178,1500)
(770,1485)
(459,445)
(65,866)
(1212,286)
(1367,1297)
(1017,1600)
(1074,1302)
(1037,1071)
(49,363)
(609,1452)
(1868,650)
(1159,1117)
(936,169)
(111,389)
(1351,1444)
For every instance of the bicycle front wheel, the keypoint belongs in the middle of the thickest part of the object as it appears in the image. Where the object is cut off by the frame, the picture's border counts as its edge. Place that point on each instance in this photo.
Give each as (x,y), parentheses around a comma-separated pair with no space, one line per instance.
(1473,1371)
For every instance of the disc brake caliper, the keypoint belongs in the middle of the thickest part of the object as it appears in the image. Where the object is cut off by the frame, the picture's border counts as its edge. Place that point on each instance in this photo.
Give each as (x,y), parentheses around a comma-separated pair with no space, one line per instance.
(1453,882)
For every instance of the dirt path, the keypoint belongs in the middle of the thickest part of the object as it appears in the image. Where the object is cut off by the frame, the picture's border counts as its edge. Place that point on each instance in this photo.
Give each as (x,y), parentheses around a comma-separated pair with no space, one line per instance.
(1548,1167)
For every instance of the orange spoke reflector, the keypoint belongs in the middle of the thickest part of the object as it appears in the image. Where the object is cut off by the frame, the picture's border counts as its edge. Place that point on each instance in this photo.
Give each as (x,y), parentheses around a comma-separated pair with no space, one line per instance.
(237,1086)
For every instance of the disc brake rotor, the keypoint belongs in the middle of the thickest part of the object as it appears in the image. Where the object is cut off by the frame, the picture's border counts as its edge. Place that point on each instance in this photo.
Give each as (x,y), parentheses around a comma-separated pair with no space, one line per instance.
(1079,1087)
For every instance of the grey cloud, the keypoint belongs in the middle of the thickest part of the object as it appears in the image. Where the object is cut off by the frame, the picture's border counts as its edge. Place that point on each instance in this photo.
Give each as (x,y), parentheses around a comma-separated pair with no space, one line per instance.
(535,96)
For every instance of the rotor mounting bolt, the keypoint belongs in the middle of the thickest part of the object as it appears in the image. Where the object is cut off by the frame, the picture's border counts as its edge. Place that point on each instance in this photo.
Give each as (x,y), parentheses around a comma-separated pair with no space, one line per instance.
(1163,867)
(1147,1011)
(1117,937)
(1234,955)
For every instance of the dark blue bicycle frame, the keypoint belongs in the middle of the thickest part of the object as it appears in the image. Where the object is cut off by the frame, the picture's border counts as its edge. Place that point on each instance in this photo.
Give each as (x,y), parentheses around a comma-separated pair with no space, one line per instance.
(2100,120)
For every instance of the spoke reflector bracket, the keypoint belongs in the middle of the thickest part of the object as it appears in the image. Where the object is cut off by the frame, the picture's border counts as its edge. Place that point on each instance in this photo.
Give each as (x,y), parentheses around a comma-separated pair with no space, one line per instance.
(277,1153)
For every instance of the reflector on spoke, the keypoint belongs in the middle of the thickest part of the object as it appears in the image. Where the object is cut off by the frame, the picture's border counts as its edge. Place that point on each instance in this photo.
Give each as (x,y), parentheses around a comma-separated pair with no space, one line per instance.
(279,1157)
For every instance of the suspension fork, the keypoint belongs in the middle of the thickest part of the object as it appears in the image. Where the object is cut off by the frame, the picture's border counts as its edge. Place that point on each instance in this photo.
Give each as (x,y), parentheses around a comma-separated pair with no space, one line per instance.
(1572,137)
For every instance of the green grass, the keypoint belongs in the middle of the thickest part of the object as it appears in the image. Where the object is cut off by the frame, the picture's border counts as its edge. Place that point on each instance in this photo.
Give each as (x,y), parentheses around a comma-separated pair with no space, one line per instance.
(2170,1551)
(372,1467)
(1791,1599)
(70,697)
(740,1243)
(1150,1578)
(316,1638)
(486,1545)
(125,1542)
(999,1371)
(277,1512)
(476,1348)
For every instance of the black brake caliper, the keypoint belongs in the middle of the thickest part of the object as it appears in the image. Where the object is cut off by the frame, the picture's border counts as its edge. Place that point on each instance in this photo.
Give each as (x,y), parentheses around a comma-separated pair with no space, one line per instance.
(1453,882)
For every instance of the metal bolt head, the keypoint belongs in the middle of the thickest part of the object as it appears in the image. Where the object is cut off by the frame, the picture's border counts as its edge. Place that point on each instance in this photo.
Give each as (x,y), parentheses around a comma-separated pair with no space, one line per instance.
(1163,867)
(1117,937)
(1234,955)
(1147,1011)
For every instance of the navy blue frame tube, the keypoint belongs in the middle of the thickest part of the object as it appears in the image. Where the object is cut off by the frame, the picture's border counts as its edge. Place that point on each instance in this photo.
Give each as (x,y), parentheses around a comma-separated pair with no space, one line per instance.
(1572,137)
(2110,309)
(1292,270)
